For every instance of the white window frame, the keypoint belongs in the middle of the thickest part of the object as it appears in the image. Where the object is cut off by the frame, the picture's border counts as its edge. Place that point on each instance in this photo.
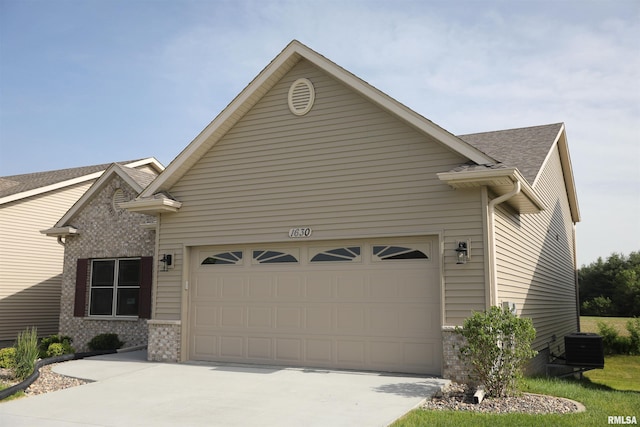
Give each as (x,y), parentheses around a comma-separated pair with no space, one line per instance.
(114,299)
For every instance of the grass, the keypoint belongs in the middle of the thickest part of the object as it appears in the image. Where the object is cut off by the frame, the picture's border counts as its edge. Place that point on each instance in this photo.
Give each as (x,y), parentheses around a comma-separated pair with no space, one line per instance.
(590,324)
(13,396)
(604,392)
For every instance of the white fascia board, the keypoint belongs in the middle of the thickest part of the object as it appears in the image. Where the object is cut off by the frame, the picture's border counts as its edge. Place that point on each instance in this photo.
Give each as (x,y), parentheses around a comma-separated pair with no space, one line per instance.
(151,206)
(60,231)
(567,172)
(261,83)
(114,169)
(485,178)
(152,161)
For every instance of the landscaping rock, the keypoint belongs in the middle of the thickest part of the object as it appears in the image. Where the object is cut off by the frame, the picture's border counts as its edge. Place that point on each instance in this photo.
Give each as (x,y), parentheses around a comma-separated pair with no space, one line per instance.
(457,398)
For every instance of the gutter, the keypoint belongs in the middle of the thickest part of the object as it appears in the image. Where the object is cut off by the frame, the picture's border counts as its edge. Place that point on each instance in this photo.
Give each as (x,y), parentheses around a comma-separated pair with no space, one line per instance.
(493,286)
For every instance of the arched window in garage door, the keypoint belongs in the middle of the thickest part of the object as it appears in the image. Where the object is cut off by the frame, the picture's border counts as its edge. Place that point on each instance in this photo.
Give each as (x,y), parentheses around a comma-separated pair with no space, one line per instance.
(228,258)
(386,253)
(273,257)
(351,253)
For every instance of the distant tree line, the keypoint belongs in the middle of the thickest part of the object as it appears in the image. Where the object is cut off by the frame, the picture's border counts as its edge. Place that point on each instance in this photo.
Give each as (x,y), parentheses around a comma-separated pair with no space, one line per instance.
(611,287)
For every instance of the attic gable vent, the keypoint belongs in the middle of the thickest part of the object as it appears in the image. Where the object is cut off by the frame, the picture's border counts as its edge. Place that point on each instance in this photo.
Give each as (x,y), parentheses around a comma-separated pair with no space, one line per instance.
(118,197)
(301,97)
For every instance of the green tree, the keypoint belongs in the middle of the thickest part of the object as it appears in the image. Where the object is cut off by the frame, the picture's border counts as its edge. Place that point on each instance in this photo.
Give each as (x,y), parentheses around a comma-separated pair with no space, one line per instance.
(617,280)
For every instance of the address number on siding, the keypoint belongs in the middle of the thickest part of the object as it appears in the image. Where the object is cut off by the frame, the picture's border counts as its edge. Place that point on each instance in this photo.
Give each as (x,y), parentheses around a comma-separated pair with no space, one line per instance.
(300,232)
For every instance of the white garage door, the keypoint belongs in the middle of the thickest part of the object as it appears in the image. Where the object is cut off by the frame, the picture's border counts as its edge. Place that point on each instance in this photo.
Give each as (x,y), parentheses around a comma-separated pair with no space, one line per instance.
(369,304)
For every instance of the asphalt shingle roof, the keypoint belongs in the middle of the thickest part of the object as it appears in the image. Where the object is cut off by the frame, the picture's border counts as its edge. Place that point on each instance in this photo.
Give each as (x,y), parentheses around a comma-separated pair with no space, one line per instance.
(523,148)
(14,184)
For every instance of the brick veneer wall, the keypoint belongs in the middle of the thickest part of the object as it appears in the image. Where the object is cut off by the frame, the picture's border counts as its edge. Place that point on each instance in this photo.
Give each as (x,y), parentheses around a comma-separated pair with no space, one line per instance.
(164,340)
(453,366)
(104,231)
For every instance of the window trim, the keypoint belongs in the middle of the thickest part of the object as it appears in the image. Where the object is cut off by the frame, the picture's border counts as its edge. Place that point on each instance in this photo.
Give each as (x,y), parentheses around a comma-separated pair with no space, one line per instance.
(114,298)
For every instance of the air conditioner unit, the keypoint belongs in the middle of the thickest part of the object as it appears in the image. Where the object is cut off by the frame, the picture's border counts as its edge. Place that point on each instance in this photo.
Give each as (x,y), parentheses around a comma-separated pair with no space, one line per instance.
(584,349)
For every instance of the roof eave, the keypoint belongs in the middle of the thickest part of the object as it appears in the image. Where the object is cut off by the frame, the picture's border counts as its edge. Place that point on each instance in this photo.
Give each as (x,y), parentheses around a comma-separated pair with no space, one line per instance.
(61,231)
(268,77)
(152,206)
(500,181)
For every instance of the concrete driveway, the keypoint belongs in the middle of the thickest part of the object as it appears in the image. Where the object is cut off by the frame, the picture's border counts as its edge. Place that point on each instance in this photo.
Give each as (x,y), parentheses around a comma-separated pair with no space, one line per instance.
(129,391)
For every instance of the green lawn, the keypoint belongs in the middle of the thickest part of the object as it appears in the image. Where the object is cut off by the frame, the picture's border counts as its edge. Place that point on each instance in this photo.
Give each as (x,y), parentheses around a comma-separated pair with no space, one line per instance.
(603,392)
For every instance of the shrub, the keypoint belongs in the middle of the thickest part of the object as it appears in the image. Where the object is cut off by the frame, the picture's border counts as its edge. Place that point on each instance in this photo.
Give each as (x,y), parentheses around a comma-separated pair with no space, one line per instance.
(105,342)
(497,348)
(45,344)
(613,343)
(633,326)
(26,353)
(7,357)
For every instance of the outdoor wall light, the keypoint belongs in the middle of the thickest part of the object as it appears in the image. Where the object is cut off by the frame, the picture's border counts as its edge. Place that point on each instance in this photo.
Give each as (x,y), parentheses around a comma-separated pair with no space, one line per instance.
(462,252)
(167,261)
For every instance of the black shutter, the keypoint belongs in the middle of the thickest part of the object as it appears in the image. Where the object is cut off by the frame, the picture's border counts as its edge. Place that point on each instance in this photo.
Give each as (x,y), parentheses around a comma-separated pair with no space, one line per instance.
(144,307)
(80,302)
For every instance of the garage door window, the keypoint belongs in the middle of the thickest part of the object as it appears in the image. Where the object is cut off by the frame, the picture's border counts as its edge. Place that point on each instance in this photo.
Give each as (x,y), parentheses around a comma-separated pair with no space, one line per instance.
(348,254)
(390,253)
(273,257)
(224,258)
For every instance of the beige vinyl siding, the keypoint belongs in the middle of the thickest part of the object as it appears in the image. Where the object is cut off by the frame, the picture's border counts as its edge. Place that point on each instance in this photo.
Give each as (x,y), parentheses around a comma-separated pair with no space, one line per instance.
(347,169)
(535,260)
(31,263)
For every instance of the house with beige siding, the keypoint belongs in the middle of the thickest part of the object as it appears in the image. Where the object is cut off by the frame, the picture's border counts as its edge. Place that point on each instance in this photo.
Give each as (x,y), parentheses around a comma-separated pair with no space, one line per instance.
(318,222)
(31,263)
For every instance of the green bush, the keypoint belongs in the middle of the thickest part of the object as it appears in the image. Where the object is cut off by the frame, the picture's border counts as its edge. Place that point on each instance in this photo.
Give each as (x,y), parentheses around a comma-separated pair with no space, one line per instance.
(7,357)
(45,346)
(498,344)
(105,342)
(633,326)
(26,353)
(613,343)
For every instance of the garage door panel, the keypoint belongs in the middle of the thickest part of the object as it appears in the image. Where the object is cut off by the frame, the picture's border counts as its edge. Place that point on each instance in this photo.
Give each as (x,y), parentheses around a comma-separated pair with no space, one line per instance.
(350,285)
(204,345)
(232,317)
(288,286)
(232,287)
(319,351)
(232,346)
(205,315)
(206,286)
(351,318)
(289,349)
(288,318)
(350,353)
(259,348)
(359,313)
(259,317)
(260,286)
(319,319)
(319,286)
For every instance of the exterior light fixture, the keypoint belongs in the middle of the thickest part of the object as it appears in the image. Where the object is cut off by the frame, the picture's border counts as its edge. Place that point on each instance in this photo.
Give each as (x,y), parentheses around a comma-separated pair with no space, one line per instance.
(167,261)
(462,252)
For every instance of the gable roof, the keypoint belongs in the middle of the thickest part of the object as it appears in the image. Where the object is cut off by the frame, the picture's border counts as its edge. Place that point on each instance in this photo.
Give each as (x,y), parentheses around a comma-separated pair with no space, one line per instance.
(267,78)
(522,154)
(16,187)
(136,179)
(523,148)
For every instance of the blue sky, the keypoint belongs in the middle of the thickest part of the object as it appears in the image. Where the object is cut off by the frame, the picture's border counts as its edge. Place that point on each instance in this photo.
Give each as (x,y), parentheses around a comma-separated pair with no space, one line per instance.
(86,82)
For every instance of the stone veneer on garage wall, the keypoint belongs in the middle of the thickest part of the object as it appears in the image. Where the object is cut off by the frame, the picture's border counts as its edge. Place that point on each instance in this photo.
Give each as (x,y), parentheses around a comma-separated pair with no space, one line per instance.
(164,340)
(104,231)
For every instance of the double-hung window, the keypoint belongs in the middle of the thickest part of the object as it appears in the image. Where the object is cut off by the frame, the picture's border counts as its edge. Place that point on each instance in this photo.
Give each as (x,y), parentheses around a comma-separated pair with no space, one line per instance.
(115,287)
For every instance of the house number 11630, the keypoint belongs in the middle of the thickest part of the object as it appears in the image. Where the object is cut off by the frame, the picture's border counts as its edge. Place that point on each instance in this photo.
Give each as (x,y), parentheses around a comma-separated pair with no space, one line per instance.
(300,232)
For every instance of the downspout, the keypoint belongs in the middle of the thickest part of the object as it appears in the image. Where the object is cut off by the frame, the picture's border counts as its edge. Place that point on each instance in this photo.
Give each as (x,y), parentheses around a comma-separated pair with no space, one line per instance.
(60,241)
(493,290)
